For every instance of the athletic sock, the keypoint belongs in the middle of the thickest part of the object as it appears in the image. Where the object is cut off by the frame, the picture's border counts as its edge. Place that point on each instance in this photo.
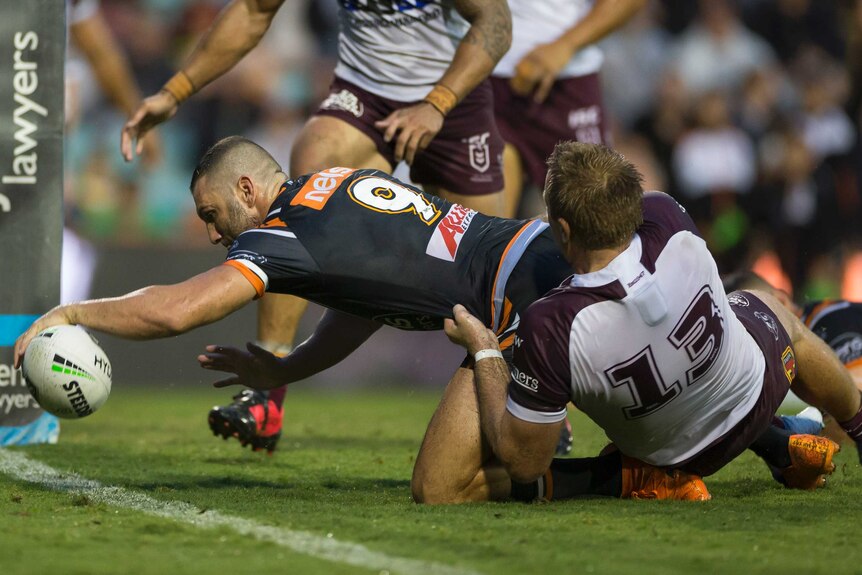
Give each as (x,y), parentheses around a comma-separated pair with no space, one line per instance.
(568,478)
(771,446)
(853,428)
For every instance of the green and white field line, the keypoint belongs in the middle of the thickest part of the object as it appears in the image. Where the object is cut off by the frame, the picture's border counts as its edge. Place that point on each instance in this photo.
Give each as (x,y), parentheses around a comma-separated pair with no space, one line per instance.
(141,487)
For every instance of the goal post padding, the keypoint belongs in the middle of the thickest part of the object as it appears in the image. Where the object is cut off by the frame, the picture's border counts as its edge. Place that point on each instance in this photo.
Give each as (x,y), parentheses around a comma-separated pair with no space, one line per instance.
(32,52)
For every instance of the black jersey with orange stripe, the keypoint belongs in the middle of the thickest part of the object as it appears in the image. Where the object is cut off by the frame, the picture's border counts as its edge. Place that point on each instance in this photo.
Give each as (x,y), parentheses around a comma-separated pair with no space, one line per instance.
(364,243)
(839,324)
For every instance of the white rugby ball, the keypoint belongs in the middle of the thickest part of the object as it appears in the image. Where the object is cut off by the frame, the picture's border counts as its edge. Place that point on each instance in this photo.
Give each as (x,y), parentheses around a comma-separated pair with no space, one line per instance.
(67,372)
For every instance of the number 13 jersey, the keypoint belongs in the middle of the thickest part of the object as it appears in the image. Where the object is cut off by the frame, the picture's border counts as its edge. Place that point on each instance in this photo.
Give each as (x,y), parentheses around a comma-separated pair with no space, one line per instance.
(647,347)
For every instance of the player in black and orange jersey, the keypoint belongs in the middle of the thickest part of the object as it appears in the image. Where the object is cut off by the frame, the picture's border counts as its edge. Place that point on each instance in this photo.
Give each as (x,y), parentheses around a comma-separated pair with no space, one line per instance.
(410,84)
(372,250)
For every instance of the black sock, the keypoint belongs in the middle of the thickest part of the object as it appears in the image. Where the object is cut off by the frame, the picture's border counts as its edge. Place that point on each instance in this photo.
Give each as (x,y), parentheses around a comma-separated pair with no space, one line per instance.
(568,478)
(771,446)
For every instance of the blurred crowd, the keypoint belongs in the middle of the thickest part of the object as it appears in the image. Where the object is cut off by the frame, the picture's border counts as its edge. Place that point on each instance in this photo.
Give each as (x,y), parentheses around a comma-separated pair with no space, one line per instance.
(747,111)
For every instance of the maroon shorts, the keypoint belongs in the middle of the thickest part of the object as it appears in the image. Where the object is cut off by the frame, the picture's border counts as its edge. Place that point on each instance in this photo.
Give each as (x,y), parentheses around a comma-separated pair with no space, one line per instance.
(572,111)
(771,338)
(464,158)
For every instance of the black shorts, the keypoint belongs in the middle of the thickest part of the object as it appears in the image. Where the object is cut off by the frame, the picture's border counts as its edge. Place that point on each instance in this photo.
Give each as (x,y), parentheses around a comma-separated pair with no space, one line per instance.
(778,352)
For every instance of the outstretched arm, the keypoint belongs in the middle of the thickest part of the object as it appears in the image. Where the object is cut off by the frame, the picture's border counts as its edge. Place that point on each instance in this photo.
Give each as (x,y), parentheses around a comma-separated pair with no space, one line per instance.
(538,70)
(238,28)
(337,335)
(488,38)
(153,312)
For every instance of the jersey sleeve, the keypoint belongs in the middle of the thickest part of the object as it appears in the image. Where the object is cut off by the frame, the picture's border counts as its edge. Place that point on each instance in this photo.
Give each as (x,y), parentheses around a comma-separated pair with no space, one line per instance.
(271,258)
(661,210)
(539,388)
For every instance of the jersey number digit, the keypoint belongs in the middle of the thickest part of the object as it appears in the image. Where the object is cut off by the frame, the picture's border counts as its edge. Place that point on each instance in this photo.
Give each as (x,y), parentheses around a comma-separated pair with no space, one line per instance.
(388,197)
(644,381)
(700,332)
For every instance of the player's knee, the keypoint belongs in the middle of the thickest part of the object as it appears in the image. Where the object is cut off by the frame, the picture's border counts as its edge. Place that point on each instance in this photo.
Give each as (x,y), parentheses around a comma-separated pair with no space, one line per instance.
(429,490)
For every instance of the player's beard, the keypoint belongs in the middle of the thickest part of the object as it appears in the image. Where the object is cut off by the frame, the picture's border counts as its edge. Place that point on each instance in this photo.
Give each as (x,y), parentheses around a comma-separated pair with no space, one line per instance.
(239,220)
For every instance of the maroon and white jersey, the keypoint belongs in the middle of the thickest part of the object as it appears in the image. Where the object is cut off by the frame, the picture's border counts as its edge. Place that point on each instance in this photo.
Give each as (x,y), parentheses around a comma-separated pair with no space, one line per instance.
(537,22)
(397,49)
(647,347)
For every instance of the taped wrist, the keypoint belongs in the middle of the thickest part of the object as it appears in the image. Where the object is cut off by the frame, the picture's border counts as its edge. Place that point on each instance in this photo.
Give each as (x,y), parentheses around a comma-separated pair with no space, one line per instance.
(180,87)
(442,98)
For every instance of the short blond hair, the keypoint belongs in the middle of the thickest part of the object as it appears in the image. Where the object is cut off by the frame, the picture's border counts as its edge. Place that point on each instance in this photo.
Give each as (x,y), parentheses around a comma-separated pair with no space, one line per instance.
(597,192)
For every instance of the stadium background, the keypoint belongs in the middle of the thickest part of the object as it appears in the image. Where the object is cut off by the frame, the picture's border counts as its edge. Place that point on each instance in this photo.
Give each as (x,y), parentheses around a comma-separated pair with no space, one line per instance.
(748,112)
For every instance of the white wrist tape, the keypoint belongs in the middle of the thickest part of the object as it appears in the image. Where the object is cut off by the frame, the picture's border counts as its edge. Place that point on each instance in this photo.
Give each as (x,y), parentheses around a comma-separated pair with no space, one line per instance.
(486,353)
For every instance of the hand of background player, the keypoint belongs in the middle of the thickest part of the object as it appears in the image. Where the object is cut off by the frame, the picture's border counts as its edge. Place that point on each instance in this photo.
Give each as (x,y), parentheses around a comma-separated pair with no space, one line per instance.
(468,331)
(153,111)
(255,368)
(537,71)
(57,316)
(415,127)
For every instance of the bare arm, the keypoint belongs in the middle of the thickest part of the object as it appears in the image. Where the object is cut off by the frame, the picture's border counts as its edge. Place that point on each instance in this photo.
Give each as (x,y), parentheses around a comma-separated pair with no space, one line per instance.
(93,37)
(539,69)
(488,38)
(525,449)
(337,335)
(95,40)
(153,312)
(238,28)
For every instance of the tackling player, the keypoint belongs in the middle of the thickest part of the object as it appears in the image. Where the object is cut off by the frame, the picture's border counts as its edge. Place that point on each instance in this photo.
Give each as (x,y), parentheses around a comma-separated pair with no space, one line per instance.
(328,237)
(643,340)
(410,84)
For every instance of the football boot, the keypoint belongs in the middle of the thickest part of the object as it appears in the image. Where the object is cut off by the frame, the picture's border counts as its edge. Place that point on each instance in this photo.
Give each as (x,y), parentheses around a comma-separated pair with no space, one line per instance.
(251,418)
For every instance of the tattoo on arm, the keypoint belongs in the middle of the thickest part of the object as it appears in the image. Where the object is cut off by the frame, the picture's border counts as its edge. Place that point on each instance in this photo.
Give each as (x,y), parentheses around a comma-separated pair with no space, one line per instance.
(490,25)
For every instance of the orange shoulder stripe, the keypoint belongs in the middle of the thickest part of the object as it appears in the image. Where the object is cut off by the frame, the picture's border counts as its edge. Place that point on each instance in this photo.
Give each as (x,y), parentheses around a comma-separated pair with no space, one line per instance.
(252,278)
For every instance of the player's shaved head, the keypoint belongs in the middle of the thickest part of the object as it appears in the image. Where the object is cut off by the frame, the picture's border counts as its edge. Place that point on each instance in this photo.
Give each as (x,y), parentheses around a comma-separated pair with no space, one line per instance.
(232,157)
(597,192)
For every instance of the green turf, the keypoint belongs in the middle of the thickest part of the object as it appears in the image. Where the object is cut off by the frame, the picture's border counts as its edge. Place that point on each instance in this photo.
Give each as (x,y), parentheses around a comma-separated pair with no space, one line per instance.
(344,468)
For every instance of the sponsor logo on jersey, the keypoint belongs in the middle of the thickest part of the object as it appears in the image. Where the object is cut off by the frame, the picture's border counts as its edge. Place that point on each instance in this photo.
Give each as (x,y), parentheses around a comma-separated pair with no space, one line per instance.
(320,187)
(524,380)
(410,321)
(478,151)
(738,299)
(769,321)
(446,239)
(246,255)
(346,101)
(789,362)
(638,278)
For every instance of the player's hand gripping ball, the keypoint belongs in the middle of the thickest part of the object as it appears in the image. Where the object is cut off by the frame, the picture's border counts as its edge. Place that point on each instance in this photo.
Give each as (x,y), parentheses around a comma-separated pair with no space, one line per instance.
(67,372)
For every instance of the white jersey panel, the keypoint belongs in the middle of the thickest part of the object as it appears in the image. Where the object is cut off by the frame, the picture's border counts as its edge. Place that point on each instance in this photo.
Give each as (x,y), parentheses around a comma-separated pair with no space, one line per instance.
(397,50)
(646,367)
(537,22)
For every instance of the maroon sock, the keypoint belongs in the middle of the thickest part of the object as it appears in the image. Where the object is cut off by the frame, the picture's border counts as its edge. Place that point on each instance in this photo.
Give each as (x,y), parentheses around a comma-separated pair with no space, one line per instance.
(277,395)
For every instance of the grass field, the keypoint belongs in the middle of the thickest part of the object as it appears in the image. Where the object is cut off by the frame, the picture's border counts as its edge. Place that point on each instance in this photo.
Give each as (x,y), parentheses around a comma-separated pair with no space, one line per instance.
(342,475)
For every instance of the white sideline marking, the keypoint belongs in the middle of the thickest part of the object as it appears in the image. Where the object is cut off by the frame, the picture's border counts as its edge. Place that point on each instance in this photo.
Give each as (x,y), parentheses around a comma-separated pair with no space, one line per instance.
(20,467)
